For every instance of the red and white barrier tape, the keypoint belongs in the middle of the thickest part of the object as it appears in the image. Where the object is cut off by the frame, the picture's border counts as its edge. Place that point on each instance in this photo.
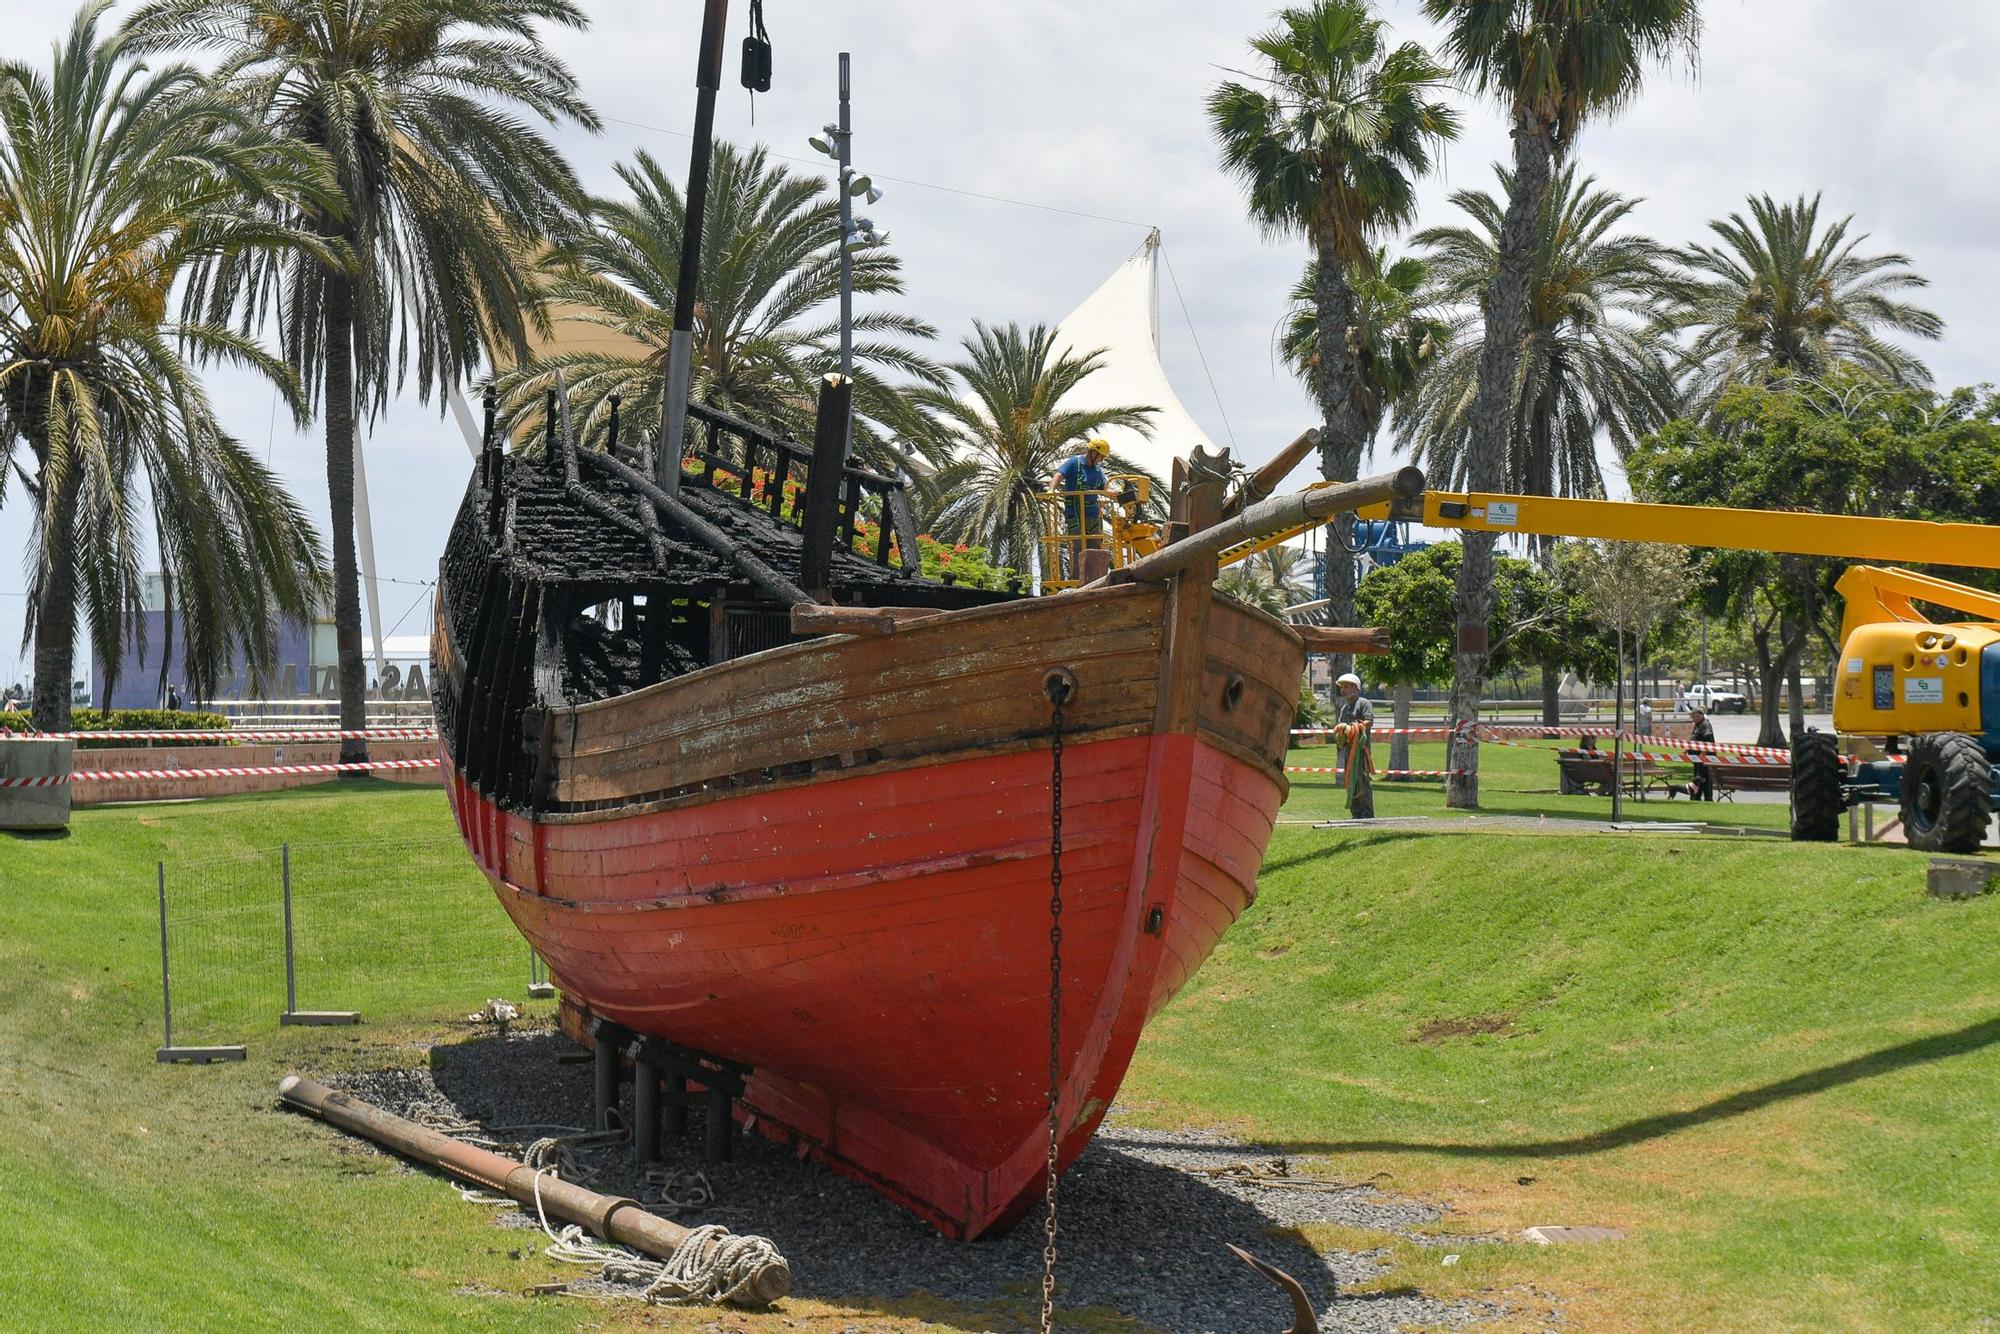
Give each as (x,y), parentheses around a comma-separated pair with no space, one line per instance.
(224,734)
(1380,773)
(220,771)
(1496,734)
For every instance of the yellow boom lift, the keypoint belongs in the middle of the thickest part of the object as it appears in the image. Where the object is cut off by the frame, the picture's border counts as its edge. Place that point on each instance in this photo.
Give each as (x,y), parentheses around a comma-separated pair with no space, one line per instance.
(1916,708)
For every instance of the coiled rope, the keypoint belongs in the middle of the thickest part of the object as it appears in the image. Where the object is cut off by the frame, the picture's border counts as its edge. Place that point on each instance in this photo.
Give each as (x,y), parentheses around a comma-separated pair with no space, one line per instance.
(712,1265)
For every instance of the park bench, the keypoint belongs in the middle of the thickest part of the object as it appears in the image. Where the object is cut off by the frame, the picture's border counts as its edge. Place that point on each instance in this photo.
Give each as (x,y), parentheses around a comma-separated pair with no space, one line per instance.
(1763,776)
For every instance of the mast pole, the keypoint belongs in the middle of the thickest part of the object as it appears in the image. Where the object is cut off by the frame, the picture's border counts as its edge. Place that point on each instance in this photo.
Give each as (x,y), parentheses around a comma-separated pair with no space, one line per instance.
(843,142)
(680,346)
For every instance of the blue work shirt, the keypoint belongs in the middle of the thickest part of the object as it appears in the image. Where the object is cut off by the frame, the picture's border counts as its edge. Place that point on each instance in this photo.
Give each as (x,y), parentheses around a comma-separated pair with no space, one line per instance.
(1078,473)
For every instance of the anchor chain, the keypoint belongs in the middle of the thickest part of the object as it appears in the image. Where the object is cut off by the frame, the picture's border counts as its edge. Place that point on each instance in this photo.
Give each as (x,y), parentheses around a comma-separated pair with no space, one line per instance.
(1059,686)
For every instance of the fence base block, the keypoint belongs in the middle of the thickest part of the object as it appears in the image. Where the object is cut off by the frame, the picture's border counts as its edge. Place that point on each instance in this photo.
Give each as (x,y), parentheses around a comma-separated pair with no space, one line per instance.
(319,1018)
(541,991)
(197,1055)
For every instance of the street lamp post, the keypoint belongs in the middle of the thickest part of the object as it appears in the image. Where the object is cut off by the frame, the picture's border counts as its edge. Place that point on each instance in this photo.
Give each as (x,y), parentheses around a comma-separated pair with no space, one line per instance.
(854,232)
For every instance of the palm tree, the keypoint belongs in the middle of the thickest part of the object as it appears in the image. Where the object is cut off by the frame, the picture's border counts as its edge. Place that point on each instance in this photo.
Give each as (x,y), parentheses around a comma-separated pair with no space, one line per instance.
(1399,331)
(1554,64)
(115,180)
(1329,146)
(770,268)
(1008,431)
(1592,356)
(442,182)
(1781,297)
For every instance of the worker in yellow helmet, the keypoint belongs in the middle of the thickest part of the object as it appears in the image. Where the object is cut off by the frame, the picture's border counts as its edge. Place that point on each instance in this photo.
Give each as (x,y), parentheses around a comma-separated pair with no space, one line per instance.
(1081,478)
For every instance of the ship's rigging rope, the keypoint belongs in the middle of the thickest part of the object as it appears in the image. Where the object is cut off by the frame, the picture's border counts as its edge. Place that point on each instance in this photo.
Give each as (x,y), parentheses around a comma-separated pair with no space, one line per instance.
(1059,685)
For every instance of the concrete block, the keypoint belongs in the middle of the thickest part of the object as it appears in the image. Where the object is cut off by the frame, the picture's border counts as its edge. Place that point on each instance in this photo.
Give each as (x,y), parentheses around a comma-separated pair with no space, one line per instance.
(34,807)
(1961,877)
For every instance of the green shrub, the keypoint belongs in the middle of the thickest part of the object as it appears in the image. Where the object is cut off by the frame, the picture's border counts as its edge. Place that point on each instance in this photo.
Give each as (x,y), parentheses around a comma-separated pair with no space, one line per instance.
(130,720)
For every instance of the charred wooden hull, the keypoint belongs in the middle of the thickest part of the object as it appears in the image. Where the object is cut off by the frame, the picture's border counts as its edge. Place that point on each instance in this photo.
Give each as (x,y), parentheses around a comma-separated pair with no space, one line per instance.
(830,861)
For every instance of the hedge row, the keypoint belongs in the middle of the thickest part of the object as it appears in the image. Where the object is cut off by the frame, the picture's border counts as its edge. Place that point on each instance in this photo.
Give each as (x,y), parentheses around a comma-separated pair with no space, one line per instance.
(130,720)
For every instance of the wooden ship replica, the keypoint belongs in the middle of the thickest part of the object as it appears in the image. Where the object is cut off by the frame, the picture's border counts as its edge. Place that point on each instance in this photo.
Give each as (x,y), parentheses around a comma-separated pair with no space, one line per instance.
(771,799)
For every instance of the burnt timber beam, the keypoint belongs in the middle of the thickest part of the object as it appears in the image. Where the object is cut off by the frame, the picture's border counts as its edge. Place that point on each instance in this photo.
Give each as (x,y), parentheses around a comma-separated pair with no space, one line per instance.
(773,584)
(825,482)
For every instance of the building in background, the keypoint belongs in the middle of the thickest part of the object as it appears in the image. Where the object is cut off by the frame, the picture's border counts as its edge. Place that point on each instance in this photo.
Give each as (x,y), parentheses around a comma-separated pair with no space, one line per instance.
(306,665)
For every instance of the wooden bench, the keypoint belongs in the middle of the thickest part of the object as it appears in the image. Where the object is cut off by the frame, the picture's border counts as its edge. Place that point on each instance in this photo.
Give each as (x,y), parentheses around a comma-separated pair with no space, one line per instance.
(1763,776)
(1584,772)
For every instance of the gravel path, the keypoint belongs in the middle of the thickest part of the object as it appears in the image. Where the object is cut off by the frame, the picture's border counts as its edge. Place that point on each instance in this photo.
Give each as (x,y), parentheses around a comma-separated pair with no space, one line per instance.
(1143,1225)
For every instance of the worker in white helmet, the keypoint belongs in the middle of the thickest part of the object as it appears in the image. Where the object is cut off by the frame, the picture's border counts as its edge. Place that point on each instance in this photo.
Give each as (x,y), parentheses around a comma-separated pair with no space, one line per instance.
(1352,727)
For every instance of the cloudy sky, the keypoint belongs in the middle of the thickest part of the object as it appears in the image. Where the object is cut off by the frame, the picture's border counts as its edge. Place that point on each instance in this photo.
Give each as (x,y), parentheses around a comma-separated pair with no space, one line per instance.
(1096,109)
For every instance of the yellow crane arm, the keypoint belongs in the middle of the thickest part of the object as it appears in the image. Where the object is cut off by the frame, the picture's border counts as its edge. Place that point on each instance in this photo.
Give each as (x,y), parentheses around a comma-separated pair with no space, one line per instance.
(1874,595)
(1844,536)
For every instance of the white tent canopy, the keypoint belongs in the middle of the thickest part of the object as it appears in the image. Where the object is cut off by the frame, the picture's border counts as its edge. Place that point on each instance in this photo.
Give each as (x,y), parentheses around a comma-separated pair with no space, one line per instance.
(1122,318)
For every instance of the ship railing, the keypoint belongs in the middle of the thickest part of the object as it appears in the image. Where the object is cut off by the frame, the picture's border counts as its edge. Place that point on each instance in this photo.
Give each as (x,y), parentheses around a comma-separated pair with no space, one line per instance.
(1069,544)
(759,468)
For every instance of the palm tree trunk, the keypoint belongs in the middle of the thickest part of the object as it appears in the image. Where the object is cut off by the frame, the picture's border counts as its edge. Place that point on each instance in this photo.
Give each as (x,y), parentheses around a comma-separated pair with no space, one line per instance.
(1344,429)
(340,430)
(1492,420)
(55,614)
(1794,687)
(1551,696)
(1399,745)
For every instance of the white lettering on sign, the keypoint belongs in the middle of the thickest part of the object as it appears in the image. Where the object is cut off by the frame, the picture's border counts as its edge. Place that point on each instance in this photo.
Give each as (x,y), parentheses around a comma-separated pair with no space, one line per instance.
(1503,513)
(1923,690)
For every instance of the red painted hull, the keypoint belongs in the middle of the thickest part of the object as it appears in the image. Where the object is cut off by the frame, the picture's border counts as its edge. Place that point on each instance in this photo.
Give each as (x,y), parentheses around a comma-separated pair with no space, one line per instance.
(876,945)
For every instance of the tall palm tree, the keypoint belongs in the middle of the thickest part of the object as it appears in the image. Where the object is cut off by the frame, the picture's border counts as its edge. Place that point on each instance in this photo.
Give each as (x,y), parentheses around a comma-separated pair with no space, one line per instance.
(1592,356)
(1399,331)
(1554,65)
(443,182)
(762,337)
(1329,145)
(114,181)
(1008,431)
(1783,297)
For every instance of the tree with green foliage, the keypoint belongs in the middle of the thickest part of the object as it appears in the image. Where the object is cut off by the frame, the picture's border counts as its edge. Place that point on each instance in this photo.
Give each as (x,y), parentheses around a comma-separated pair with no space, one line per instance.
(1411,598)
(1329,141)
(116,181)
(1399,331)
(763,335)
(1008,431)
(1782,297)
(1551,625)
(444,191)
(1554,65)
(1592,358)
(1846,445)
(1635,587)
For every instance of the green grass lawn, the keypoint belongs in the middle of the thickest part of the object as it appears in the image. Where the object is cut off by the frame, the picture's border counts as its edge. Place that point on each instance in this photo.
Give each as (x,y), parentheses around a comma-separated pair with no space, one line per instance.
(1776,1066)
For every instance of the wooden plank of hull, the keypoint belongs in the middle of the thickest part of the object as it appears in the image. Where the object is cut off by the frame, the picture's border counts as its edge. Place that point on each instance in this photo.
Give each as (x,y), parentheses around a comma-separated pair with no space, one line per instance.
(898,1025)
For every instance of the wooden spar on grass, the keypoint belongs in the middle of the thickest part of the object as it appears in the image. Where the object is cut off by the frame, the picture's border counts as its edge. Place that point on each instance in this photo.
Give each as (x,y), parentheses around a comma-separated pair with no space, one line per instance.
(760,574)
(1264,482)
(1298,510)
(1344,638)
(615,1219)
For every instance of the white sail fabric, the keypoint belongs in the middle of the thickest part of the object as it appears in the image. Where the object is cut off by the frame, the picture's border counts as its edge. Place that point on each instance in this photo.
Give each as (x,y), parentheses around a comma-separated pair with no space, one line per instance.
(1122,317)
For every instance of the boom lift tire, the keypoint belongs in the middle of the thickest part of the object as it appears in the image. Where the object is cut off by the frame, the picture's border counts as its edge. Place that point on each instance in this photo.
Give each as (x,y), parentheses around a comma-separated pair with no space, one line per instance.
(1947,793)
(1816,777)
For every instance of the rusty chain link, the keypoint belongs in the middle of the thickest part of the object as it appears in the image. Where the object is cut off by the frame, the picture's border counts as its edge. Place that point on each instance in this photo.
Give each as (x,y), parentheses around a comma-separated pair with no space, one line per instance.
(1058,685)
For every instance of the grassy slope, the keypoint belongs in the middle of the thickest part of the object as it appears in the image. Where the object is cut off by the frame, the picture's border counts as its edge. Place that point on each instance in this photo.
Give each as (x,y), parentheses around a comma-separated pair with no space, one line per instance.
(1639,979)
(169,1196)
(1778,1066)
